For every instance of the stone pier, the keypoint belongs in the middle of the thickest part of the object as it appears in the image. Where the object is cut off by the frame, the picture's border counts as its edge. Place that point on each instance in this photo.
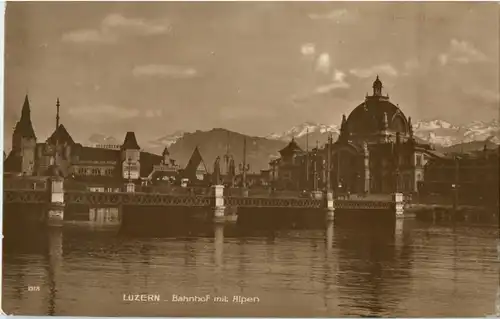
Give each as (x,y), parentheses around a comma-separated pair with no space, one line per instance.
(401,209)
(330,206)
(55,212)
(221,212)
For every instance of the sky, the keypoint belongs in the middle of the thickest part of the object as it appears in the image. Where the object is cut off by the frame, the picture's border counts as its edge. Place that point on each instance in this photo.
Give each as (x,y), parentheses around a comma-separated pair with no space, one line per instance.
(252,67)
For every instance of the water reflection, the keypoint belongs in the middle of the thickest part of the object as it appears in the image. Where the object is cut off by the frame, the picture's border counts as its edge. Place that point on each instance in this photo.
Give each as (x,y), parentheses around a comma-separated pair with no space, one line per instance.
(218,244)
(329,237)
(340,269)
(54,266)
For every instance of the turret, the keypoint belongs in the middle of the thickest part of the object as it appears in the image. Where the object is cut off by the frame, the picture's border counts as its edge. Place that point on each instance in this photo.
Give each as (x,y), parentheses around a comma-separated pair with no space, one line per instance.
(385,122)
(344,130)
(410,127)
(131,152)
(166,156)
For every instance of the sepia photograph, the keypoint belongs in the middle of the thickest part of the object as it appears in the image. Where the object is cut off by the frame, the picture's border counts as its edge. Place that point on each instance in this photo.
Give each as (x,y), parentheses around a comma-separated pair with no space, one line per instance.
(251,159)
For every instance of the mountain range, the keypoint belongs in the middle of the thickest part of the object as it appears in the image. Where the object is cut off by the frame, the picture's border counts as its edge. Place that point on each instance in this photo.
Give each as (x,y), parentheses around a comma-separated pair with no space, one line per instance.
(445,137)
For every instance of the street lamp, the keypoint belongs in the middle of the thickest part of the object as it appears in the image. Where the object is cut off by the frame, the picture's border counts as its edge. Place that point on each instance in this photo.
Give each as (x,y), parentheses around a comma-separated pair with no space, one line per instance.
(244,168)
(455,185)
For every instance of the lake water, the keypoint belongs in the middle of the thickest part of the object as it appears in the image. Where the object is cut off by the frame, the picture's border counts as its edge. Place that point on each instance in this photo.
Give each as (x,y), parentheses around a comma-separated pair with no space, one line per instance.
(360,268)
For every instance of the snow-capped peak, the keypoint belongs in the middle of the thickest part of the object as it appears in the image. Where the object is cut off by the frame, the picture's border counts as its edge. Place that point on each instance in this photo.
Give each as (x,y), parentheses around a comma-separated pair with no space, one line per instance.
(303,129)
(433,125)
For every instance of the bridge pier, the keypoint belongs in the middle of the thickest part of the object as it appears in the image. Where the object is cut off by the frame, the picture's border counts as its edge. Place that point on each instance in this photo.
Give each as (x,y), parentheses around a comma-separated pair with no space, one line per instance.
(399,206)
(55,211)
(330,206)
(223,213)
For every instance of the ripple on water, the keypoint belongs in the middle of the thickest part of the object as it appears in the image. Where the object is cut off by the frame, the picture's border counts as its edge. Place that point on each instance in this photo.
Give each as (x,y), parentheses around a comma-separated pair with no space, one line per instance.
(426,271)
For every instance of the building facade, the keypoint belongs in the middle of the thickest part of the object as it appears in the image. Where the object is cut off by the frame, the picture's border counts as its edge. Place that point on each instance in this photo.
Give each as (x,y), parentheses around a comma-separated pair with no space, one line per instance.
(473,176)
(91,165)
(376,152)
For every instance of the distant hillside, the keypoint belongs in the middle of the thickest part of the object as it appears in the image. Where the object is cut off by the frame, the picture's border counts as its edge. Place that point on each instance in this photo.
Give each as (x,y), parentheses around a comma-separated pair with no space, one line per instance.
(468,147)
(444,136)
(213,143)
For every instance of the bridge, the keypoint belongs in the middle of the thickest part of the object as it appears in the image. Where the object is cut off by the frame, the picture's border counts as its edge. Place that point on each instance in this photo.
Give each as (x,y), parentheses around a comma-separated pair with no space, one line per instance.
(28,196)
(52,193)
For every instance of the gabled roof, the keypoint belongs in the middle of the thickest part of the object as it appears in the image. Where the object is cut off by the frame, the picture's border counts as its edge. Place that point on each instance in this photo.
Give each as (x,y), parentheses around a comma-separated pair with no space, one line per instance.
(60,136)
(130,142)
(13,163)
(194,163)
(292,147)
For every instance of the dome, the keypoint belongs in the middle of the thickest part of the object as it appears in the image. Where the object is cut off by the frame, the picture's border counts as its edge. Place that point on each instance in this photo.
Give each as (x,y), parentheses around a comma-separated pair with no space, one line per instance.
(376,114)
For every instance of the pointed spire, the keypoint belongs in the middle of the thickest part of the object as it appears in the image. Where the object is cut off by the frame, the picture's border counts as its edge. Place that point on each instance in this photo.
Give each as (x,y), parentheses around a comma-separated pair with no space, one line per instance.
(24,127)
(343,124)
(57,113)
(385,123)
(165,152)
(26,112)
(410,127)
(130,142)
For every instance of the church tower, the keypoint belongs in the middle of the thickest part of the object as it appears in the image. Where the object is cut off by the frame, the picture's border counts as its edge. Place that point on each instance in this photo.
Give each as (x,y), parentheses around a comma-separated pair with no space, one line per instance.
(24,140)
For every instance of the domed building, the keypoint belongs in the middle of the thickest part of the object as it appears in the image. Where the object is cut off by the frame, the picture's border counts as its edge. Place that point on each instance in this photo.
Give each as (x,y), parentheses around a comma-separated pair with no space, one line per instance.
(376,151)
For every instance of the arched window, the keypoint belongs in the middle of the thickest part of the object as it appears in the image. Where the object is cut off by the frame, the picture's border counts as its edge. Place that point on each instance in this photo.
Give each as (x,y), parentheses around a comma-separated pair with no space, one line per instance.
(398,124)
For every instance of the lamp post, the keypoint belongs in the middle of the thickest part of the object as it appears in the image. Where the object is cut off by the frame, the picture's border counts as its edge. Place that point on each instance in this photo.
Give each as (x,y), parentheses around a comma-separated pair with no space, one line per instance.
(315,169)
(397,179)
(455,185)
(329,164)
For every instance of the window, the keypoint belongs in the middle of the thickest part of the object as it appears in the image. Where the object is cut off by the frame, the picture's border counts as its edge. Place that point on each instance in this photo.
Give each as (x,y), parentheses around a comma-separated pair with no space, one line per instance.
(419,160)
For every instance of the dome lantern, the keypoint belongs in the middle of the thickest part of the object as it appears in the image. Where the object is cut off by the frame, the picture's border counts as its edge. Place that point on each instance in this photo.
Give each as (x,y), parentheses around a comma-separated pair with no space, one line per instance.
(377,87)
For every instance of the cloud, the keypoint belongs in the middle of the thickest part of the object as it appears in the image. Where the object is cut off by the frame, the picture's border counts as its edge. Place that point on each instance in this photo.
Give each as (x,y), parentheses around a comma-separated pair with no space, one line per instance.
(338,15)
(102,113)
(386,69)
(487,96)
(308,49)
(323,63)
(162,70)
(409,66)
(239,112)
(114,25)
(89,35)
(153,113)
(461,52)
(337,83)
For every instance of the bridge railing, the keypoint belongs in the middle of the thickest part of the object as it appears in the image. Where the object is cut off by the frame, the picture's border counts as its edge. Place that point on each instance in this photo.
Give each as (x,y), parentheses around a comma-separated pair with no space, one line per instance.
(25,183)
(175,190)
